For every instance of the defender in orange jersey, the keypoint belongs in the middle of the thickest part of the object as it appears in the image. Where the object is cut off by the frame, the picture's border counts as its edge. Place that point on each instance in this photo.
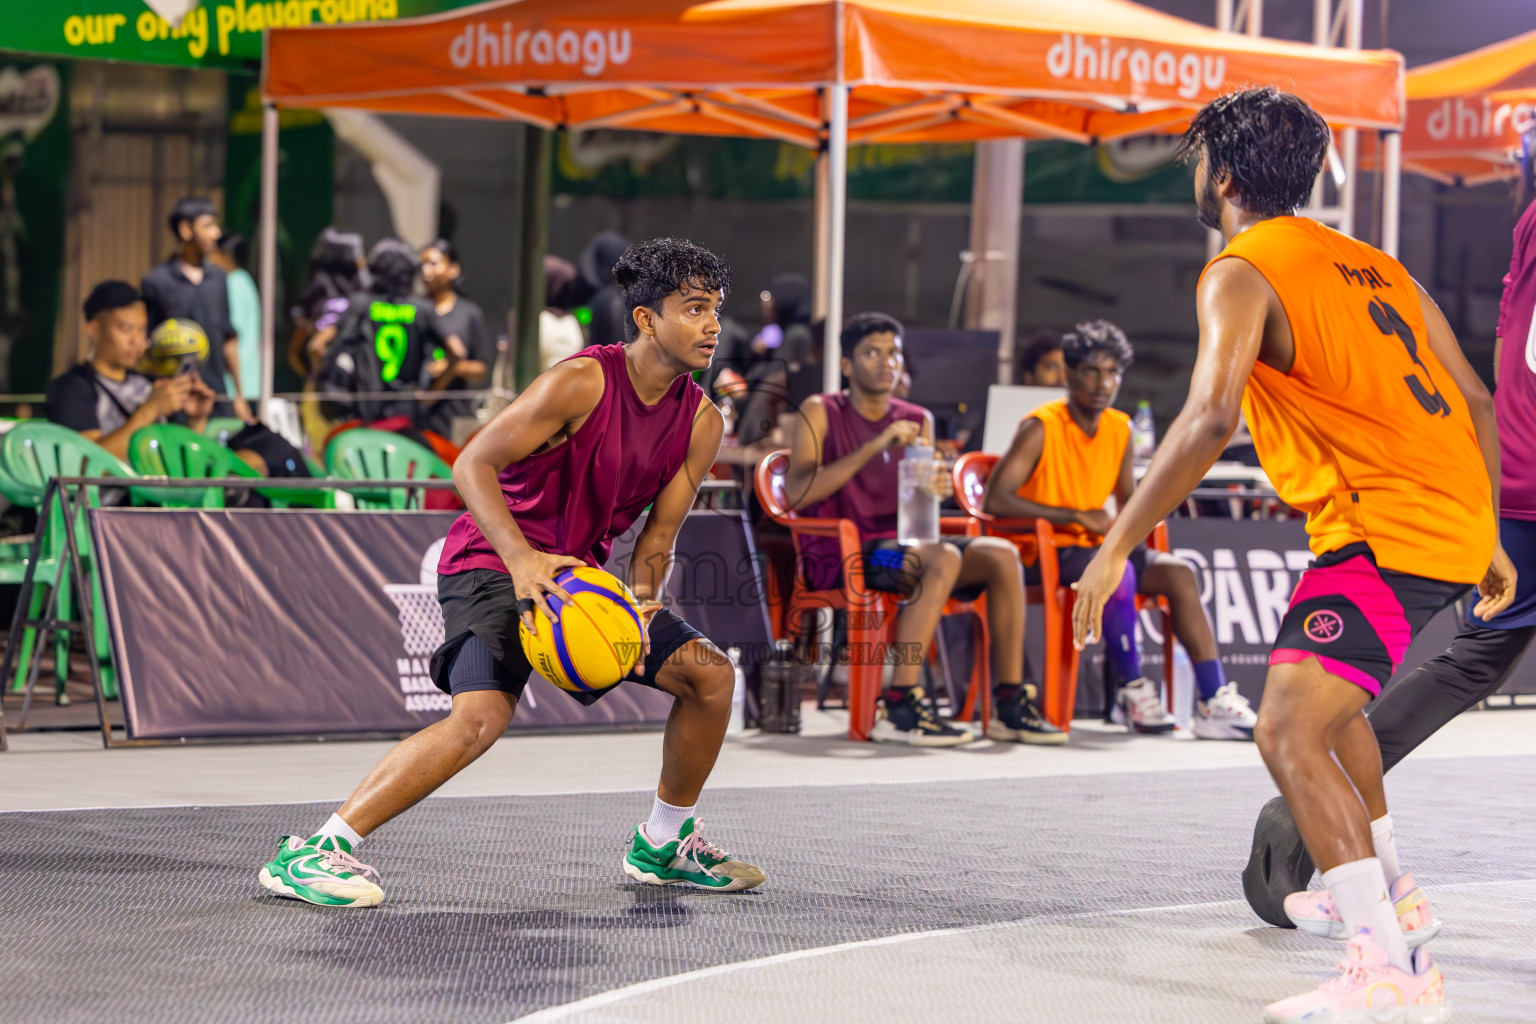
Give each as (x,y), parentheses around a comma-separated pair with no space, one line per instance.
(1367,417)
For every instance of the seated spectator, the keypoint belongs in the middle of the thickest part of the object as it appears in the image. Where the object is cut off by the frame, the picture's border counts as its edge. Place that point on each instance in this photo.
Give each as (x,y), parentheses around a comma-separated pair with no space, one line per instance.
(1041,364)
(460,318)
(189,286)
(105,398)
(1066,459)
(843,464)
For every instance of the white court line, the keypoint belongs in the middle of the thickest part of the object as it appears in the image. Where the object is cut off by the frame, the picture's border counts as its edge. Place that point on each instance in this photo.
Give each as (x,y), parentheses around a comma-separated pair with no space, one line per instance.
(565,1011)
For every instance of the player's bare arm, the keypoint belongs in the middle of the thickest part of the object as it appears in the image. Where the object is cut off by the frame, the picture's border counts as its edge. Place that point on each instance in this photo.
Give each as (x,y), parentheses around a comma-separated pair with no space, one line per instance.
(1233,304)
(553,408)
(652,558)
(808,481)
(1498,586)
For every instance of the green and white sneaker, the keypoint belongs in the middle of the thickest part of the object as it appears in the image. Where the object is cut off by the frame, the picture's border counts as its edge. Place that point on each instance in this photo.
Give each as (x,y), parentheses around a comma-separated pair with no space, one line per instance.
(321,870)
(688,858)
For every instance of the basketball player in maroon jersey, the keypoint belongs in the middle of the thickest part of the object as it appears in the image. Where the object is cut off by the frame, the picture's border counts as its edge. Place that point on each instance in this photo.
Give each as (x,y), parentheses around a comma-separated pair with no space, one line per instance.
(549,484)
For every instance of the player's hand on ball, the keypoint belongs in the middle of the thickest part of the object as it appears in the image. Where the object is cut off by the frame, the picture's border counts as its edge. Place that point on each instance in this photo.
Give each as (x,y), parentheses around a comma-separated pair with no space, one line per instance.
(1099,581)
(1498,586)
(533,576)
(646,609)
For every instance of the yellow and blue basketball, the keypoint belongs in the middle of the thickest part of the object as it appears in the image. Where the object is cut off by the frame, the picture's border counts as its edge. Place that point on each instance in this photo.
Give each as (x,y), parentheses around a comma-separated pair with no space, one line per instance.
(595,638)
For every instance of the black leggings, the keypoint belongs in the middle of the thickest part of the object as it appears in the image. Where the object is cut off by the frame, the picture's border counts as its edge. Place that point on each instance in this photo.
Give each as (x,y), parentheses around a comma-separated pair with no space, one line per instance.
(1409,712)
(1477,665)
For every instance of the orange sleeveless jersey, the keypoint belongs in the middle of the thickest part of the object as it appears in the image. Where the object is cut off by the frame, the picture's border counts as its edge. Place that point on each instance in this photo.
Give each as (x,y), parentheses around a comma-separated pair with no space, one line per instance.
(1075,470)
(1367,434)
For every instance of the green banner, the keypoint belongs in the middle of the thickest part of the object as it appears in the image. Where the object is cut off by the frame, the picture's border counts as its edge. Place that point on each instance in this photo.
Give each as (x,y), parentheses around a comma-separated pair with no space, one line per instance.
(34,170)
(215,34)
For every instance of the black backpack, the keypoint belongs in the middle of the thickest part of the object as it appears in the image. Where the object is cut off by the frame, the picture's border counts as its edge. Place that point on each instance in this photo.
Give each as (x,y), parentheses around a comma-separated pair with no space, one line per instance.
(352,366)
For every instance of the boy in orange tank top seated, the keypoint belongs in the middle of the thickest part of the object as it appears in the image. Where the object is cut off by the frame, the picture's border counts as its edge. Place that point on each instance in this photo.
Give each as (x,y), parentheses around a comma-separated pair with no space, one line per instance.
(1066,459)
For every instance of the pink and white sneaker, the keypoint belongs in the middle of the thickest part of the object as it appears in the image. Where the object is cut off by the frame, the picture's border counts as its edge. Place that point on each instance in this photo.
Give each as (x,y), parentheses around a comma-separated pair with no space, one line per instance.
(1313,911)
(1368,990)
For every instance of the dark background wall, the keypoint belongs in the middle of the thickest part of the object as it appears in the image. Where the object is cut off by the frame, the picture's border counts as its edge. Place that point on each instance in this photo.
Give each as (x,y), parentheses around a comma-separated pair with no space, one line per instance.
(1077,262)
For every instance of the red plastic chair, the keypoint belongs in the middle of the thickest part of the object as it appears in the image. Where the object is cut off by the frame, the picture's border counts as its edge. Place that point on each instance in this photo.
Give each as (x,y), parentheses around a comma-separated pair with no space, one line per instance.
(1037,538)
(871,614)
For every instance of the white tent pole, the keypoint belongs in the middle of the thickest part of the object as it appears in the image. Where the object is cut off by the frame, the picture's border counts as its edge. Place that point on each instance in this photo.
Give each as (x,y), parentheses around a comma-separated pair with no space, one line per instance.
(837,210)
(1391,192)
(267,254)
(822,222)
(1354,28)
(837,232)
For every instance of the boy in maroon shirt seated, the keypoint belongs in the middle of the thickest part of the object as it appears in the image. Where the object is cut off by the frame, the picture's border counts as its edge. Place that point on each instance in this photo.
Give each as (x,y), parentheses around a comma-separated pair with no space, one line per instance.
(843,465)
(549,483)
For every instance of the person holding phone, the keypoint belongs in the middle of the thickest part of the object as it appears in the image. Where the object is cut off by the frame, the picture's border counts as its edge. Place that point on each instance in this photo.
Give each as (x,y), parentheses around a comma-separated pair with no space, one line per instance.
(105,398)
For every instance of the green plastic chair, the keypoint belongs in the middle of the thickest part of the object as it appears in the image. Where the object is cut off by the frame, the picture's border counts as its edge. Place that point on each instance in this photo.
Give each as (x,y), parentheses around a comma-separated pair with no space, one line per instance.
(169,450)
(222,428)
(364,454)
(31,454)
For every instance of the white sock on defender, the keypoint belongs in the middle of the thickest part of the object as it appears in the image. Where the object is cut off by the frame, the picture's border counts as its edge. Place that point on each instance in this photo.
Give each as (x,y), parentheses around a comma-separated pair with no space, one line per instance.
(1360,892)
(1385,841)
(665,822)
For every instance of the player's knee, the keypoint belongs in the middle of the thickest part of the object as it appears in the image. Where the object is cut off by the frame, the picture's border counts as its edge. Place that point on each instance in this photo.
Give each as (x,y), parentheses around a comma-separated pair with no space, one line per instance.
(1000,556)
(941,561)
(478,725)
(710,682)
(1279,741)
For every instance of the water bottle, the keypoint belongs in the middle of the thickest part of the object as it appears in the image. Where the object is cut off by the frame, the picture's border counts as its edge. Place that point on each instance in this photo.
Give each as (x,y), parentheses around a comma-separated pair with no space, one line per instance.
(917,503)
(771,693)
(738,695)
(1143,432)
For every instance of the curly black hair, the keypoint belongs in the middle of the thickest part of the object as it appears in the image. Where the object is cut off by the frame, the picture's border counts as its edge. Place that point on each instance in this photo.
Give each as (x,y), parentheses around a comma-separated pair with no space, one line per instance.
(649,271)
(1270,142)
(1092,337)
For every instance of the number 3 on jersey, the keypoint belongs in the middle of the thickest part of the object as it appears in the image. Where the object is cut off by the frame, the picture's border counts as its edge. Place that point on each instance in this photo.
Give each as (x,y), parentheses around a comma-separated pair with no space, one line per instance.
(1389,322)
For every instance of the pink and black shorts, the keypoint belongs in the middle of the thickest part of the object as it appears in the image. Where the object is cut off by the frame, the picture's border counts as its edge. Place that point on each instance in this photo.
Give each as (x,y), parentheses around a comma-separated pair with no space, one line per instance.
(1356,618)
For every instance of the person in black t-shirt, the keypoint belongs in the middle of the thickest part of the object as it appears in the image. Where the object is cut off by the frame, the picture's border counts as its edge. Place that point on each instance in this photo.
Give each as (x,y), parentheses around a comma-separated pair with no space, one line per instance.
(189,286)
(400,337)
(104,398)
(461,318)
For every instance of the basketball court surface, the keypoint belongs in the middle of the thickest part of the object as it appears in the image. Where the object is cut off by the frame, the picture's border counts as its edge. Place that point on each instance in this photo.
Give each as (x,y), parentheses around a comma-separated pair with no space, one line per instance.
(1096,882)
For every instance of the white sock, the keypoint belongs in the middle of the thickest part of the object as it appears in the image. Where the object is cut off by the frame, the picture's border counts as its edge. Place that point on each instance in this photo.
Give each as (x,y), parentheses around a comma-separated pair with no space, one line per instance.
(1360,892)
(338,827)
(1385,842)
(665,822)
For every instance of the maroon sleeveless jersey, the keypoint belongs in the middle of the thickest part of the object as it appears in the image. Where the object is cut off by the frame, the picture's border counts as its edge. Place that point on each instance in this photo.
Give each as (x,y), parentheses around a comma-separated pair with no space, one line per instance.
(574,498)
(869,498)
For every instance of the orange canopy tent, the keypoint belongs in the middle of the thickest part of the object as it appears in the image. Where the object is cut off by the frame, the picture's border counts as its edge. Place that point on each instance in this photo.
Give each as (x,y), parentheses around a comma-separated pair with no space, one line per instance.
(917,70)
(821,73)
(1466,114)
